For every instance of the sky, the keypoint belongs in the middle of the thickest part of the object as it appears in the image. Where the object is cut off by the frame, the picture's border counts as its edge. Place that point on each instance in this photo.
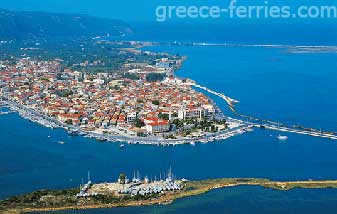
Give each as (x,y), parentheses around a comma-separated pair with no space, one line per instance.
(128,10)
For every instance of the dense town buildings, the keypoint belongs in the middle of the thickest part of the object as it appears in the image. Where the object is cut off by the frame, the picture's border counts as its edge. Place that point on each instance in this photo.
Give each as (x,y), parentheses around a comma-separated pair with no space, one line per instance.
(103,102)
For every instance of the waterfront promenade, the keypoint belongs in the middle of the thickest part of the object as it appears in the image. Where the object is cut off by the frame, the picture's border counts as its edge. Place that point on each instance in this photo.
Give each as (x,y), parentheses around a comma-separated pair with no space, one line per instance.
(160,141)
(49,122)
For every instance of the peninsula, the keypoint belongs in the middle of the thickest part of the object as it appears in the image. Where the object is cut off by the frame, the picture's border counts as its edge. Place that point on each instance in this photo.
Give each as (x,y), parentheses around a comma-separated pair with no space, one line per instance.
(137,193)
(115,91)
(124,94)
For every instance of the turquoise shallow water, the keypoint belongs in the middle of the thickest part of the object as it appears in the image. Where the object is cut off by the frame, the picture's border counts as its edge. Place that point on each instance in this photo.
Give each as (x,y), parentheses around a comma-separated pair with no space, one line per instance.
(269,82)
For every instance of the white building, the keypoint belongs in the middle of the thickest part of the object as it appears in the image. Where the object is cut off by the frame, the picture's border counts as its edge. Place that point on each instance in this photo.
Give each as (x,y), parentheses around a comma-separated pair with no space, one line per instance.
(195,113)
(132,116)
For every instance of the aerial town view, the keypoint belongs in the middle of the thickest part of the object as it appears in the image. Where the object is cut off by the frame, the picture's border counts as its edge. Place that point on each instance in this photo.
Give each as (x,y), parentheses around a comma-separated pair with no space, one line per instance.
(142,103)
(106,108)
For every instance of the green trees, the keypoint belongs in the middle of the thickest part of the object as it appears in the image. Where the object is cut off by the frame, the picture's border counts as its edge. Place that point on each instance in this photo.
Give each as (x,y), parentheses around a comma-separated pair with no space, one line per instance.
(138,123)
(178,123)
(154,77)
(64,93)
(130,76)
(213,128)
(163,116)
(141,134)
(69,122)
(122,178)
(45,79)
(156,102)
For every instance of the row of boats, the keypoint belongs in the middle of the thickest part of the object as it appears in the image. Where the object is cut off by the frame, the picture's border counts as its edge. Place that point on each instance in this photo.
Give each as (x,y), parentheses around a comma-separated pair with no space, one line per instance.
(6,112)
(39,120)
(35,117)
(152,189)
(157,142)
(77,132)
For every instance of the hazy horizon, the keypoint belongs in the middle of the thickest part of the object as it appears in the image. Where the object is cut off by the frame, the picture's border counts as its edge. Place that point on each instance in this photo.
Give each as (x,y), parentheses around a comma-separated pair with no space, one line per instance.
(133,11)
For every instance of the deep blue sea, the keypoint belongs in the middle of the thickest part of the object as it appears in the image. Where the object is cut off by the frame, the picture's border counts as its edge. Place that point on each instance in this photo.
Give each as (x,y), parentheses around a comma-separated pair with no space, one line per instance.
(271,83)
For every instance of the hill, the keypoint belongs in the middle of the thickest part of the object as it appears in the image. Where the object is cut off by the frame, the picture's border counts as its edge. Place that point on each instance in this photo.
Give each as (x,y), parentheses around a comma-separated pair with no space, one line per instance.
(30,25)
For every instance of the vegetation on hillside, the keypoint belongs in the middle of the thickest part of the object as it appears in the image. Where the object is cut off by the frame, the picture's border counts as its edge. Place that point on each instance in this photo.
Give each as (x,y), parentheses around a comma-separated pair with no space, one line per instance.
(25,25)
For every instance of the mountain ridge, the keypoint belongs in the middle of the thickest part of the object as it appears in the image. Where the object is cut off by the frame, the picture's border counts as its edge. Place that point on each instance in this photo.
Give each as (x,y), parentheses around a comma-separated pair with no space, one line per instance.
(20,25)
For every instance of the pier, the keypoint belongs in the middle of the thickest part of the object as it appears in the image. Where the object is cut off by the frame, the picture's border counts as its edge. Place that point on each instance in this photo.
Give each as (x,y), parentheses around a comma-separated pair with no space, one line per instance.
(268,124)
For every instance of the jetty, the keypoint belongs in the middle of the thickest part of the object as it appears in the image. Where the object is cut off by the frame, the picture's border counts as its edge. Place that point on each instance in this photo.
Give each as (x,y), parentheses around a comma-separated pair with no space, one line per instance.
(230,101)
(268,124)
(302,132)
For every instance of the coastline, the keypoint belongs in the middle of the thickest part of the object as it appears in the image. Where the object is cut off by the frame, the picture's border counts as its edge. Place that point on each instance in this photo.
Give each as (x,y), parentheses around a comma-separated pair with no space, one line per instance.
(150,43)
(239,127)
(192,188)
(48,122)
(292,48)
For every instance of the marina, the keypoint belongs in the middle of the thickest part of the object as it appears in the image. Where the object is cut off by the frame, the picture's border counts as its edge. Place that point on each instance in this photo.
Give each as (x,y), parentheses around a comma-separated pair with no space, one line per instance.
(133,187)
(89,103)
(238,153)
(6,112)
(139,193)
(236,127)
(239,128)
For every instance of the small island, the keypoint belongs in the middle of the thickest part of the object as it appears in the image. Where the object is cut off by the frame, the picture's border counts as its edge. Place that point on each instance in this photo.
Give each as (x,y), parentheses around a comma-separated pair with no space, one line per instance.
(138,192)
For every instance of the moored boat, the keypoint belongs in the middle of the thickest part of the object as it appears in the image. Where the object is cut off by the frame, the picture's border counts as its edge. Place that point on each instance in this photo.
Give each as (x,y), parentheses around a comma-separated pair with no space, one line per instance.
(282,137)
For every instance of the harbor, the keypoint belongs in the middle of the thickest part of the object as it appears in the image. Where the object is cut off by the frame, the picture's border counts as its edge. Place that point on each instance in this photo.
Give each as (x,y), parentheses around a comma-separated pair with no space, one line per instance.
(239,126)
(6,112)
(236,128)
(136,186)
(4,108)
(108,195)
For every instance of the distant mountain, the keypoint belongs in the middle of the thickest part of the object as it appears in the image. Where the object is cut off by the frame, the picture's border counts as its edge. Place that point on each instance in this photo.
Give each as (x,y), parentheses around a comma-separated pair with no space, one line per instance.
(28,25)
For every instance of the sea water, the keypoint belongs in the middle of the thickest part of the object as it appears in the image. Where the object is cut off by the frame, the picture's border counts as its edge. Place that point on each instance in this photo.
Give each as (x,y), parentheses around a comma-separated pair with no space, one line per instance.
(271,83)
